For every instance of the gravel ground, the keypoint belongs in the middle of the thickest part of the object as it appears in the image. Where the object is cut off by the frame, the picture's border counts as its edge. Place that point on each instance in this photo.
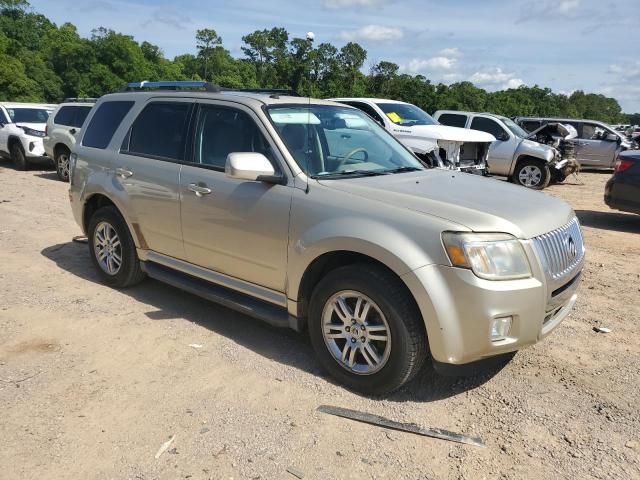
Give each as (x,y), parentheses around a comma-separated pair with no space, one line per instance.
(94,380)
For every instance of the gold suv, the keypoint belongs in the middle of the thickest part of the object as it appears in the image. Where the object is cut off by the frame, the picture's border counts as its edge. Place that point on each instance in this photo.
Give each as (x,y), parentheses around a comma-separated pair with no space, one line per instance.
(307,214)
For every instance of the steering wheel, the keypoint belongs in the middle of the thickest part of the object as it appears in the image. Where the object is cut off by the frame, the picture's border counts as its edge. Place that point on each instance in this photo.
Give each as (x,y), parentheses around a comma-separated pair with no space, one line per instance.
(351,154)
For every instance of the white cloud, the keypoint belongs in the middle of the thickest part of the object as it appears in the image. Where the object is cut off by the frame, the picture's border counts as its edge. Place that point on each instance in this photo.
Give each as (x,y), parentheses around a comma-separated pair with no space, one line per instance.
(450,52)
(353,3)
(373,33)
(495,79)
(568,7)
(418,65)
(624,85)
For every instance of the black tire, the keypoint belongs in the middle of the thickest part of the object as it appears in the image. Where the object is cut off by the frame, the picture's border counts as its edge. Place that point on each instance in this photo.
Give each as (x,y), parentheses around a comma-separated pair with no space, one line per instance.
(129,272)
(539,176)
(408,349)
(18,156)
(61,163)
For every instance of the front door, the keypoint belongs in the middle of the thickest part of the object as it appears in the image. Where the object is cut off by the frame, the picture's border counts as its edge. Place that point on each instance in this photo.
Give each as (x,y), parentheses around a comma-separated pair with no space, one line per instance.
(501,151)
(594,150)
(235,227)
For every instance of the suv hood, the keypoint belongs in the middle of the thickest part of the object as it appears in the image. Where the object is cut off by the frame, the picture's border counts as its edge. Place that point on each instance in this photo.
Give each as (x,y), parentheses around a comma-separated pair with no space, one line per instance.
(443,132)
(479,204)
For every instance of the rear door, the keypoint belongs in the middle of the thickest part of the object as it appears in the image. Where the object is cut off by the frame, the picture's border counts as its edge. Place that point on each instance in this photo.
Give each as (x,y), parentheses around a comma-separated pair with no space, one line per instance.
(234,227)
(146,171)
(594,150)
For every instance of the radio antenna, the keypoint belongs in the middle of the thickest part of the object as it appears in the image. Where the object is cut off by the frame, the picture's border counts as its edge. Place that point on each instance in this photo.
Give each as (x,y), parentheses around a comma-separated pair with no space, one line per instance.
(310,38)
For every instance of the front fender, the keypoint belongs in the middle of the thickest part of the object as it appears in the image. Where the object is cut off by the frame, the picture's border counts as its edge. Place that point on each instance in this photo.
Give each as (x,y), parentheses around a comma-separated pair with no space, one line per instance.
(377,240)
(532,149)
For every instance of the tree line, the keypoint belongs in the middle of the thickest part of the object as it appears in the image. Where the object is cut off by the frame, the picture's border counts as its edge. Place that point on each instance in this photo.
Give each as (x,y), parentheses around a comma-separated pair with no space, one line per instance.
(40,61)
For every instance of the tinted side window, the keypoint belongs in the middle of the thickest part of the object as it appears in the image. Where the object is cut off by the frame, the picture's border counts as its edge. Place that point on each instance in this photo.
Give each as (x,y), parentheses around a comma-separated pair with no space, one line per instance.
(221,131)
(487,125)
(160,130)
(453,120)
(104,123)
(80,113)
(64,116)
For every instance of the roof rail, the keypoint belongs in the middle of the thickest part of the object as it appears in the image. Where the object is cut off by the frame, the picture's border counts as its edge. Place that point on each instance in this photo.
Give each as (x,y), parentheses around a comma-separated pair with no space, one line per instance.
(274,91)
(171,85)
(80,99)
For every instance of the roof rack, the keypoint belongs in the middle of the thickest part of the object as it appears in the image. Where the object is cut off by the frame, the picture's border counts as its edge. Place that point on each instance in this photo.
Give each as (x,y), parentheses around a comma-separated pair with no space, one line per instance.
(274,91)
(80,99)
(171,85)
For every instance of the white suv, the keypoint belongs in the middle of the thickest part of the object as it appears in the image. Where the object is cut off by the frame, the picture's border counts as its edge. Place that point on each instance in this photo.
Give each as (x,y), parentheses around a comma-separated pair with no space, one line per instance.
(22,128)
(63,127)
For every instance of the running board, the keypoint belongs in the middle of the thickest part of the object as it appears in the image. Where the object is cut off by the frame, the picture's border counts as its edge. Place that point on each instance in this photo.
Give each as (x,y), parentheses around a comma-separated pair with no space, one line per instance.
(272,314)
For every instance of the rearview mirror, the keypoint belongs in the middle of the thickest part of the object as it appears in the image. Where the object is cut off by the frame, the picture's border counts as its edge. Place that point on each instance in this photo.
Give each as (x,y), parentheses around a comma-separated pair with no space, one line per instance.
(251,166)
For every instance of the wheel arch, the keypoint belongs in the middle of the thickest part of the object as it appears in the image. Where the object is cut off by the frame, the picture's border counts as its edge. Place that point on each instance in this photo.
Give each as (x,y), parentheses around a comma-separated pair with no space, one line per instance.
(323,264)
(58,148)
(98,200)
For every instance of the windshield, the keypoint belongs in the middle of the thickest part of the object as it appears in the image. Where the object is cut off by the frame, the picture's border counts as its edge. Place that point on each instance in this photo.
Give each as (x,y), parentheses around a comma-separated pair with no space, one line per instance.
(28,115)
(406,114)
(514,127)
(332,141)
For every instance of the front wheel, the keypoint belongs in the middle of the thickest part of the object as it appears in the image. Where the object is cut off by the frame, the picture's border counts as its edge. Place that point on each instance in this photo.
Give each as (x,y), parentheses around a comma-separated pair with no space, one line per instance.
(18,157)
(366,329)
(62,164)
(532,174)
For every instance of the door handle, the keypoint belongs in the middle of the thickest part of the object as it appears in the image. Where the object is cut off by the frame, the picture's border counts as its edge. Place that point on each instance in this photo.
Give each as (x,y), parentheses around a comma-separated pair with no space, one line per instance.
(123,172)
(199,189)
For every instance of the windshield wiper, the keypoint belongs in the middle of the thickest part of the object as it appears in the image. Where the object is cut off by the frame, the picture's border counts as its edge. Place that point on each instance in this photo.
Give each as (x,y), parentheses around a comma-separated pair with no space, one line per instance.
(358,173)
(403,169)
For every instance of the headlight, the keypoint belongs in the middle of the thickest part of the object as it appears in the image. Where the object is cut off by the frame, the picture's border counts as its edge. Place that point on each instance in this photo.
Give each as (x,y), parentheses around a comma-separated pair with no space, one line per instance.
(492,256)
(32,132)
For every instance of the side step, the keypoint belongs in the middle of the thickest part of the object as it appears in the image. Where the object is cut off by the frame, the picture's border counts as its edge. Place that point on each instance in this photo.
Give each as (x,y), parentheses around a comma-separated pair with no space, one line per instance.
(265,311)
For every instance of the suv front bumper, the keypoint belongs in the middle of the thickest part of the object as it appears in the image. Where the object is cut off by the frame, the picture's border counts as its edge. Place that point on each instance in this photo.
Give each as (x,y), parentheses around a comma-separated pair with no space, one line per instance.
(458,309)
(34,147)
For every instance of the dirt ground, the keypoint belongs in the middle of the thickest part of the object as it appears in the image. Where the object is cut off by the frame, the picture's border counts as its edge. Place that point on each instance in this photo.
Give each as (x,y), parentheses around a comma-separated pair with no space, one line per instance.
(94,380)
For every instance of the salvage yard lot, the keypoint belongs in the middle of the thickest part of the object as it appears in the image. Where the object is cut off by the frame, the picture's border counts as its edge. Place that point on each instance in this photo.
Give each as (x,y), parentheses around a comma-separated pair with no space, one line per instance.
(94,380)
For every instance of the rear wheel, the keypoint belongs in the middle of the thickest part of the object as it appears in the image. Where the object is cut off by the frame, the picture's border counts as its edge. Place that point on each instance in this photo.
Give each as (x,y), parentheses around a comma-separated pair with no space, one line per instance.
(366,329)
(62,164)
(18,157)
(112,250)
(532,174)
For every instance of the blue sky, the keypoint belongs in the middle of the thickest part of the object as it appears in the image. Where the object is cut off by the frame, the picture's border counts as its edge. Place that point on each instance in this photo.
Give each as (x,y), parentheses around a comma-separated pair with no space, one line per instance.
(563,44)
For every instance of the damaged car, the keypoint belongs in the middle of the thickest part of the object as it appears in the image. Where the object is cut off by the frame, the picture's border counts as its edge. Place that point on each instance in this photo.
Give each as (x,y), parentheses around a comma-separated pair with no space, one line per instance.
(438,146)
(513,154)
(597,144)
(562,137)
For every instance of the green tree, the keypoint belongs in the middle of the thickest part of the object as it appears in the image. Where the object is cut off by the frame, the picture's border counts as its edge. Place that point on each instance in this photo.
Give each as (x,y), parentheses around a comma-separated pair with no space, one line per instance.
(207,41)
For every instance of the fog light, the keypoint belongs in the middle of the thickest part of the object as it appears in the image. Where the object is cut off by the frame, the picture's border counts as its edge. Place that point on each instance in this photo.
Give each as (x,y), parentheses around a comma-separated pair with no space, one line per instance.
(500,328)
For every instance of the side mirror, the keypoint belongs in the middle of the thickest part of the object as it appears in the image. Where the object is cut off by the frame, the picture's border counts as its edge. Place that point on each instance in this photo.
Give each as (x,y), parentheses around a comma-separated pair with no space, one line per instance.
(612,137)
(254,167)
(503,137)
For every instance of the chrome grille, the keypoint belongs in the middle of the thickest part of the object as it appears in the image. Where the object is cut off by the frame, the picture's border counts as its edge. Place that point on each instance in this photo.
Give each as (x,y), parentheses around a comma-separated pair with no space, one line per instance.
(561,250)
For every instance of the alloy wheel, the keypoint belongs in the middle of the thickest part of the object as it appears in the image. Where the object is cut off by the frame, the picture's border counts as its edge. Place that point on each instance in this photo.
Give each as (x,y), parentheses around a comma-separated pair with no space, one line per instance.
(63,166)
(356,332)
(530,176)
(107,248)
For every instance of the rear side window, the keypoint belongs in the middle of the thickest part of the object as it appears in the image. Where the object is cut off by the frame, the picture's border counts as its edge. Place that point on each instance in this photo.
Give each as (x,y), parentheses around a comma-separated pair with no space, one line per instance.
(368,109)
(453,120)
(64,116)
(489,126)
(104,123)
(160,131)
(79,115)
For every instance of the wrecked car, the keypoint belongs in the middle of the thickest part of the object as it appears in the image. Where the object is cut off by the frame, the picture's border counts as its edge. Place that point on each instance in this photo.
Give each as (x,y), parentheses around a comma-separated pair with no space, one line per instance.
(439,146)
(512,155)
(597,144)
(563,137)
